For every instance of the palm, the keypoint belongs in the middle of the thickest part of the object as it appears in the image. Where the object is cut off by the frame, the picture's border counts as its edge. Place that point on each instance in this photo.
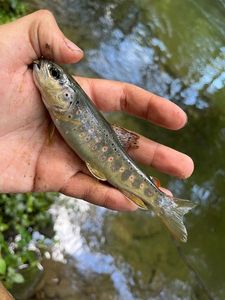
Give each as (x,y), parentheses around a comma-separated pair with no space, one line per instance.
(29,161)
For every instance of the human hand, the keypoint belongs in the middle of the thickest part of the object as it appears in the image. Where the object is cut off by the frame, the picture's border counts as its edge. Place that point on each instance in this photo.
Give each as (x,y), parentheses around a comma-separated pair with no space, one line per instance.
(28,162)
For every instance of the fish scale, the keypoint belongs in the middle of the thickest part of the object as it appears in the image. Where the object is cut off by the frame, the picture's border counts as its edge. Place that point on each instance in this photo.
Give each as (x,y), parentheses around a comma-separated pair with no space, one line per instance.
(102,146)
(106,138)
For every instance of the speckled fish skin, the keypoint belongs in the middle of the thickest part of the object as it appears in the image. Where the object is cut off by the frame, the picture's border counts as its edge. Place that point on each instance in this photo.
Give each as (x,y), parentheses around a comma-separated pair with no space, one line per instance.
(87,132)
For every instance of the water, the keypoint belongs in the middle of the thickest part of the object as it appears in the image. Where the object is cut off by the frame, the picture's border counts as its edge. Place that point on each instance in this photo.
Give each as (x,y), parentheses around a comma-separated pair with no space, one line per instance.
(176,49)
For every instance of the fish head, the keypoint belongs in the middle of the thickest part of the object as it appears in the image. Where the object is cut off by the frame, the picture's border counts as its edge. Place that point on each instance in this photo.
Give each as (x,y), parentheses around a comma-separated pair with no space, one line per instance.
(54,84)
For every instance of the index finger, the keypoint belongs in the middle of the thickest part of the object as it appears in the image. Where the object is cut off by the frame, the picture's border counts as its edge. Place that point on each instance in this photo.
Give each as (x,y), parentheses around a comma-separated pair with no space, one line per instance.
(119,96)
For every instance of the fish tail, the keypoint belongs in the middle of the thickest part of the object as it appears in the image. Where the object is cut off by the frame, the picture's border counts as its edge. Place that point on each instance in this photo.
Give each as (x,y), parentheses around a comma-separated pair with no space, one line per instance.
(172,212)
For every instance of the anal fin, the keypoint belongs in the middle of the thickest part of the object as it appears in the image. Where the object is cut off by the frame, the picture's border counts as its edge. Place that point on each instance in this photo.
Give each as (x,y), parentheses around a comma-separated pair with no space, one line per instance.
(135,199)
(127,139)
(97,174)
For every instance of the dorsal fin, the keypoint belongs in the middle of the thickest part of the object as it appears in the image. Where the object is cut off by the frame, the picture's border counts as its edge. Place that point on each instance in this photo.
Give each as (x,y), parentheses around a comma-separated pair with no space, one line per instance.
(127,139)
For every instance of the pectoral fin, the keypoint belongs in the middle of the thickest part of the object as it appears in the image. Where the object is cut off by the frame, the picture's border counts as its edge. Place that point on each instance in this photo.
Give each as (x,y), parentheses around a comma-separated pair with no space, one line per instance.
(135,199)
(51,131)
(127,139)
(96,173)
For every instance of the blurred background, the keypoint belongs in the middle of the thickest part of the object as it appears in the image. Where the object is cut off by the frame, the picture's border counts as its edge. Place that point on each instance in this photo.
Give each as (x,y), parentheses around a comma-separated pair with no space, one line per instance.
(55,247)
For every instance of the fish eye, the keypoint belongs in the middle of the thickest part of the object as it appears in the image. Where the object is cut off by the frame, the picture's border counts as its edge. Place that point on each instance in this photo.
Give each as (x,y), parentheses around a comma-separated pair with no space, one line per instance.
(55,73)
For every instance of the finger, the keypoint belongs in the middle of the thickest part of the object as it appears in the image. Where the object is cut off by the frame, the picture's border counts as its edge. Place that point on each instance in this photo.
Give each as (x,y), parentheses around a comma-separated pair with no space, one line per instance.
(163,158)
(115,96)
(85,187)
(47,39)
(167,192)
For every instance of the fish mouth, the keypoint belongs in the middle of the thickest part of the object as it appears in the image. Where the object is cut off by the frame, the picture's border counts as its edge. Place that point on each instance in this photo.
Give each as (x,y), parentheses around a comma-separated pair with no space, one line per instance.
(38,72)
(37,63)
(39,69)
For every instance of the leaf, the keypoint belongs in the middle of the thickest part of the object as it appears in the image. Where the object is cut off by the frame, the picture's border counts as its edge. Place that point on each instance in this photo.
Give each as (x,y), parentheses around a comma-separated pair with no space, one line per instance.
(18,278)
(3,226)
(2,266)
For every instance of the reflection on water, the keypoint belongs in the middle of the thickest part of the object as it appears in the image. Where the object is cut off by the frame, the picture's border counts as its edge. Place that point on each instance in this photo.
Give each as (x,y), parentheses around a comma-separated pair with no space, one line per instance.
(82,241)
(176,49)
(72,220)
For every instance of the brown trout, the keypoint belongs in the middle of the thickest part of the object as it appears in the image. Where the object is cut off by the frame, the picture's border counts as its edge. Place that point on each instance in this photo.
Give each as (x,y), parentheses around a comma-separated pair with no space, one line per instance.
(102,146)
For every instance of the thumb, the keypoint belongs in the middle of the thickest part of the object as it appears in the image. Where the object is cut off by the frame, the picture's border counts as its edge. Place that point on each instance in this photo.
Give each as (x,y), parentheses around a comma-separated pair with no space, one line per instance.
(47,39)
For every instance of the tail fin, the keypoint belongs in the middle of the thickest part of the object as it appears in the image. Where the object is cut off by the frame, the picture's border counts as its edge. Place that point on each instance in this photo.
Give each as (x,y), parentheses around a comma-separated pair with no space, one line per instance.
(172,216)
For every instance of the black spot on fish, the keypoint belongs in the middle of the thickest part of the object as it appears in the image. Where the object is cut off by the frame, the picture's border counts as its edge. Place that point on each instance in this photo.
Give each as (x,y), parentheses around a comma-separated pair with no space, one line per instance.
(148,192)
(116,165)
(136,183)
(103,157)
(125,175)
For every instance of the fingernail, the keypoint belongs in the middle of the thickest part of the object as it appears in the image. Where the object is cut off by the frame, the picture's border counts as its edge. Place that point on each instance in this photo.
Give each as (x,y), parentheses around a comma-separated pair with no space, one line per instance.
(71,45)
(186,121)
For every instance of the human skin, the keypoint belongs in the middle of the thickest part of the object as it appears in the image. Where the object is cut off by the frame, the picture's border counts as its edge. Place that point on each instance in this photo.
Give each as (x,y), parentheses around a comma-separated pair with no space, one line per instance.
(28,161)
(4,295)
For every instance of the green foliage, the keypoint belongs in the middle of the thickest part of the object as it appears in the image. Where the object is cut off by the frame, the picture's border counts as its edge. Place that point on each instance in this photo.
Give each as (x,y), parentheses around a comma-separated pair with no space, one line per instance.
(11,9)
(20,216)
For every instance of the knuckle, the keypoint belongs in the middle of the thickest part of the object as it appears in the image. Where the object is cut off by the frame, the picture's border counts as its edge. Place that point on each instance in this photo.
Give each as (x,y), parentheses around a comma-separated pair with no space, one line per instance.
(106,199)
(45,13)
(123,98)
(154,154)
(148,113)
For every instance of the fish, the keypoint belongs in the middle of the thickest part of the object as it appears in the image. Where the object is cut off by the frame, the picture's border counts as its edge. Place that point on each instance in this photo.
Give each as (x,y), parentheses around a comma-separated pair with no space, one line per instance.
(103,147)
